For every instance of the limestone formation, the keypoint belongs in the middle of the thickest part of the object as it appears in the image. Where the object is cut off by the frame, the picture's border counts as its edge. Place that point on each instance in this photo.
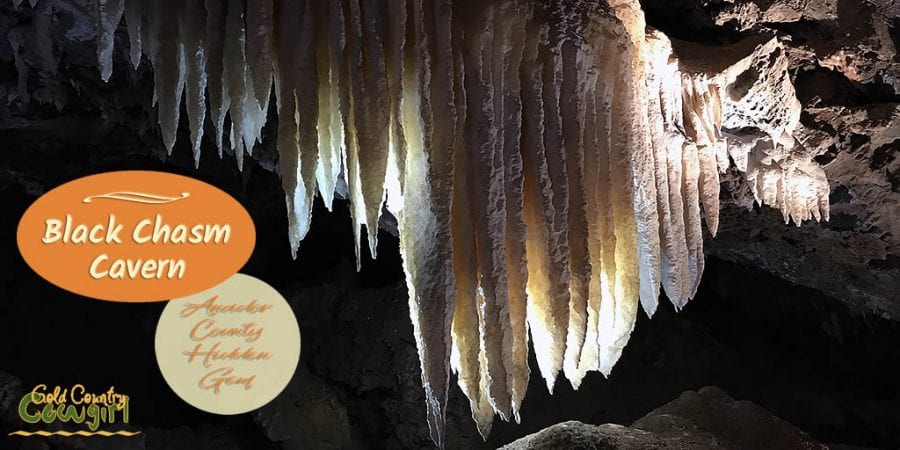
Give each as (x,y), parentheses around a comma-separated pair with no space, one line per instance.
(550,164)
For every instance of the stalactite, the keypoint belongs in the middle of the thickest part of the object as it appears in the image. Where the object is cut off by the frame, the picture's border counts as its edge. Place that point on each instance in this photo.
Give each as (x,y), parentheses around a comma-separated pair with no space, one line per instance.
(510,24)
(643,176)
(709,185)
(663,102)
(627,284)
(134,19)
(550,165)
(427,194)
(588,357)
(350,34)
(675,167)
(691,195)
(191,25)
(466,332)
(109,13)
(548,296)
(235,74)
(572,93)
(217,90)
(330,126)
(288,141)
(488,201)
(168,68)
(395,59)
(371,100)
(306,91)
(260,24)
(606,213)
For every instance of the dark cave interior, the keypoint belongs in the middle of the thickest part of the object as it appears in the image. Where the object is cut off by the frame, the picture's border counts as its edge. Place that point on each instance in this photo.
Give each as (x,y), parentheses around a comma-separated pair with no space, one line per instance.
(807,355)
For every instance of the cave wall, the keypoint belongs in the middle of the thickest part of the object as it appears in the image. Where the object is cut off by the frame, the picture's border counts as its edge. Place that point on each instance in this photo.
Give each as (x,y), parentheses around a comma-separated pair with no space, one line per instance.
(845,66)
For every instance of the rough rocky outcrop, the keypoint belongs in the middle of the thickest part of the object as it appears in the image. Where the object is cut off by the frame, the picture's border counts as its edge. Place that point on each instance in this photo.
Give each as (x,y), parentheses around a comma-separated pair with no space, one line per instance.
(580,436)
(843,56)
(708,418)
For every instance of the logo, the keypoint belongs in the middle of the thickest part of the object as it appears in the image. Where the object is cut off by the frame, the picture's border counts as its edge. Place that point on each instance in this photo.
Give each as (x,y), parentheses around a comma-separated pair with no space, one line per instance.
(136,236)
(230,349)
(94,412)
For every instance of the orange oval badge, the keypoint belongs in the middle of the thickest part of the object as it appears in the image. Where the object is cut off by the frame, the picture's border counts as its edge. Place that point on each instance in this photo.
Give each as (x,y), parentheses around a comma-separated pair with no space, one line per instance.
(136,236)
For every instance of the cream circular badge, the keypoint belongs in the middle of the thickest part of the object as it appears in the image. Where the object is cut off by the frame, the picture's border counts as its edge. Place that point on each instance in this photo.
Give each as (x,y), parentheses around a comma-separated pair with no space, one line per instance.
(230,349)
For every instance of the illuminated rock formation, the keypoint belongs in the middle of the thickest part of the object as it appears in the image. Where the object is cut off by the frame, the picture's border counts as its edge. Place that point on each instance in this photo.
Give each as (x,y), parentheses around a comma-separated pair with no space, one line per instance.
(549,163)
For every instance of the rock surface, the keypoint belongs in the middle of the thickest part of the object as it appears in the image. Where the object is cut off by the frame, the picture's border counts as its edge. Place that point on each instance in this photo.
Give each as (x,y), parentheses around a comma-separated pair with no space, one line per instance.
(843,56)
(708,418)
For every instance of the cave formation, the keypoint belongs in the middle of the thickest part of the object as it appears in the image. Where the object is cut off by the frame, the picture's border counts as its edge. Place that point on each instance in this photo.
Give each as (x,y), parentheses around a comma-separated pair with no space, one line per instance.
(799,320)
(569,154)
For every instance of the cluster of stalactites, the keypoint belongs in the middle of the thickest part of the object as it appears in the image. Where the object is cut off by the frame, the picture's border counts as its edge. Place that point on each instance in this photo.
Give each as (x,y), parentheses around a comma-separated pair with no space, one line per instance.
(547,164)
(781,174)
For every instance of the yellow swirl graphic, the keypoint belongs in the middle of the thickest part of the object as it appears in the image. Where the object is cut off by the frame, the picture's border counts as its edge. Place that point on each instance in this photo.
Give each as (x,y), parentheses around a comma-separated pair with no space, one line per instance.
(75,433)
(136,197)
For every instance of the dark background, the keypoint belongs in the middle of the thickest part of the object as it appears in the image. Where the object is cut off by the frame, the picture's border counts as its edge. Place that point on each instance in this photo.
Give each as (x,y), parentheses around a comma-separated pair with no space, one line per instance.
(813,357)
